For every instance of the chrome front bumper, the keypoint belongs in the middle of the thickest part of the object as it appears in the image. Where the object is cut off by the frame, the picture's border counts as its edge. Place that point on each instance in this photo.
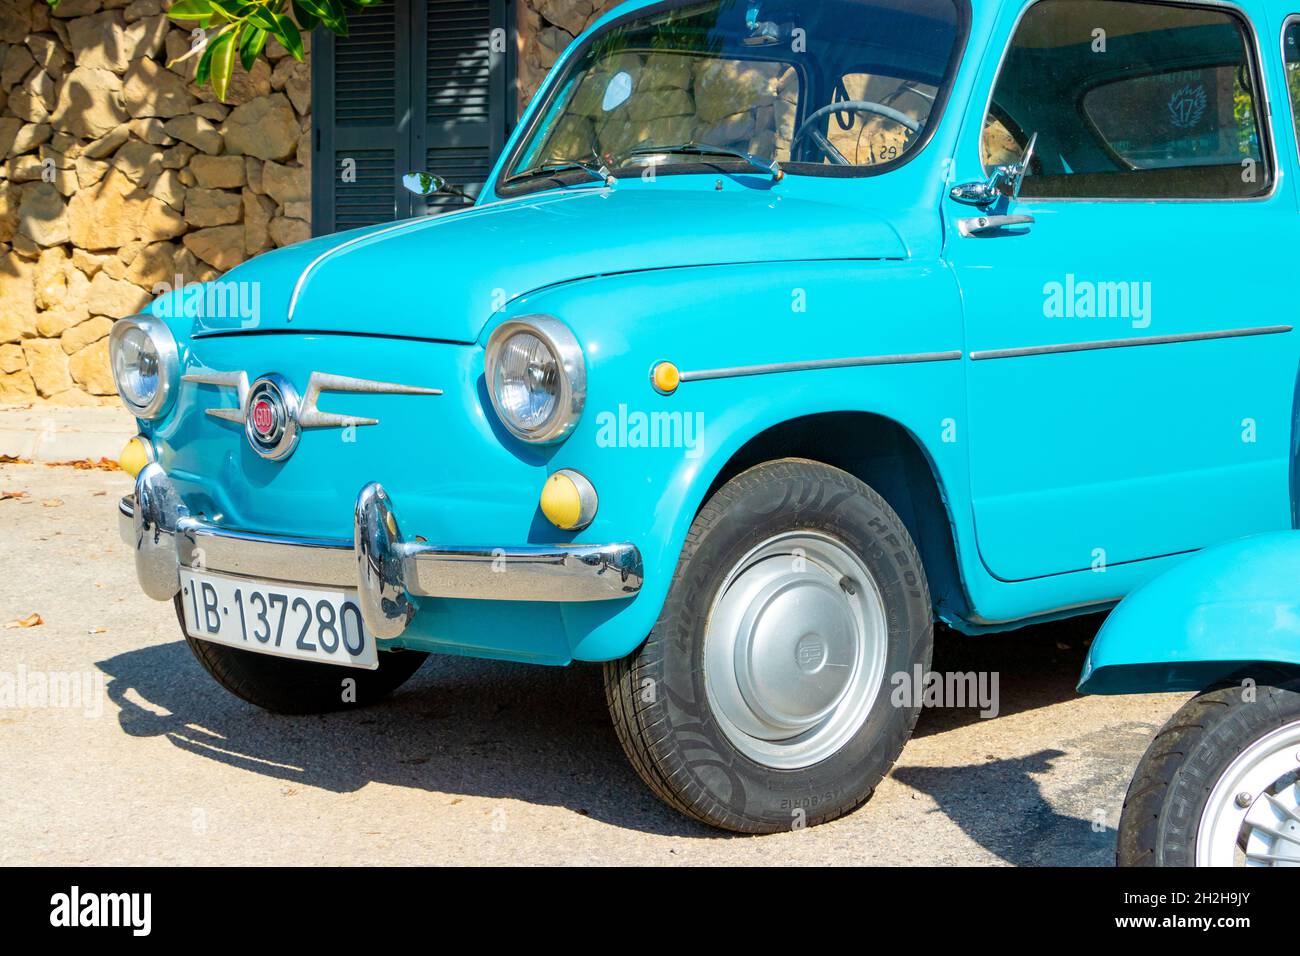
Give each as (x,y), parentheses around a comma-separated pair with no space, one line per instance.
(387,571)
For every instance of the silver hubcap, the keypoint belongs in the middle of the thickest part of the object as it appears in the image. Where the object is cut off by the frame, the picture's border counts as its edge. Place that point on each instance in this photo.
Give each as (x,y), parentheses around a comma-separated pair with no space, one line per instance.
(794,650)
(1253,815)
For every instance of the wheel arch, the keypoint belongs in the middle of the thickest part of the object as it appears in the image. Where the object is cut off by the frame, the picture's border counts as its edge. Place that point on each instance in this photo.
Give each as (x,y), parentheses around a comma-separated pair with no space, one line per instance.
(886,455)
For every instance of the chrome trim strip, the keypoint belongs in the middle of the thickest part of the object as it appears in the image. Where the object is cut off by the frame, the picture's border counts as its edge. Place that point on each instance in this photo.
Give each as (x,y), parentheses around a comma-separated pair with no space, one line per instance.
(385,569)
(309,415)
(986,354)
(236,380)
(910,358)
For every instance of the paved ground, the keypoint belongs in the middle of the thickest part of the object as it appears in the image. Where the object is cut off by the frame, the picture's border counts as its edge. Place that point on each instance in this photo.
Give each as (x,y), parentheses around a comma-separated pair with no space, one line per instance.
(471,762)
(50,433)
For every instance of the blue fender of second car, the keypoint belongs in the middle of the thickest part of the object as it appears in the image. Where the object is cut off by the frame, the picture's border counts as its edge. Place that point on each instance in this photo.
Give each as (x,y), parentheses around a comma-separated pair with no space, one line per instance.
(1216,616)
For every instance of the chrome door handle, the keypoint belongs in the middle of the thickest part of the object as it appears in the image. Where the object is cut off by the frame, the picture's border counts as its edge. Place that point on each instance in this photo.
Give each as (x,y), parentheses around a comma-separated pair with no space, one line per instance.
(977,225)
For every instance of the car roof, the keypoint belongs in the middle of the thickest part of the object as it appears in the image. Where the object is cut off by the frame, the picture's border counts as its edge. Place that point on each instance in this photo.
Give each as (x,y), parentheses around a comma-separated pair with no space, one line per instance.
(1278,8)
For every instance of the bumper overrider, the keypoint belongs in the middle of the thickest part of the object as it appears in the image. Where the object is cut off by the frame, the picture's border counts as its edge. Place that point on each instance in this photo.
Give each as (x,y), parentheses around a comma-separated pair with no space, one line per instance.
(387,571)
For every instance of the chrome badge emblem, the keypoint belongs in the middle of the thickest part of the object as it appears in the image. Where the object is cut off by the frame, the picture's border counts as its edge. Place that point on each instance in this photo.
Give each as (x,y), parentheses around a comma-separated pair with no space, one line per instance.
(272,421)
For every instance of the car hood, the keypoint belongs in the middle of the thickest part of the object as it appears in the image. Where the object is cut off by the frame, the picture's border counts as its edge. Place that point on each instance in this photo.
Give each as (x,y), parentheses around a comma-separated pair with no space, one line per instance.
(442,278)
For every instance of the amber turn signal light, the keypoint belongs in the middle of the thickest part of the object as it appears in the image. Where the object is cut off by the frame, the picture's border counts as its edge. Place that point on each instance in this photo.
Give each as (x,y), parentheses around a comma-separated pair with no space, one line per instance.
(569,500)
(134,456)
(665,377)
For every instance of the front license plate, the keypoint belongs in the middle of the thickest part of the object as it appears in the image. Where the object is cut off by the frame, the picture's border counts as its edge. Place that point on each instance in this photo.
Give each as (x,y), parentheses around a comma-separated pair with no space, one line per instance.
(309,624)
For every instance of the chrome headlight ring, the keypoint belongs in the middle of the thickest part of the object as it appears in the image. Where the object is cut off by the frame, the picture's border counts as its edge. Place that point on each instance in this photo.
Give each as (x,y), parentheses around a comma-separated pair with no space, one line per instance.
(570,384)
(162,343)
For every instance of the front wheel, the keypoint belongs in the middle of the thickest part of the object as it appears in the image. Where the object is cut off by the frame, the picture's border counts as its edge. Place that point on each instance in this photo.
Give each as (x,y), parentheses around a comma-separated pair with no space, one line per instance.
(759,703)
(1220,784)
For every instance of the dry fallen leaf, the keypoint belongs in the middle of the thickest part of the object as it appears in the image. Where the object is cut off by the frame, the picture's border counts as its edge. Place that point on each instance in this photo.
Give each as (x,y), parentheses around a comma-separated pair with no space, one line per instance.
(86,464)
(5,495)
(31,620)
(53,502)
(14,460)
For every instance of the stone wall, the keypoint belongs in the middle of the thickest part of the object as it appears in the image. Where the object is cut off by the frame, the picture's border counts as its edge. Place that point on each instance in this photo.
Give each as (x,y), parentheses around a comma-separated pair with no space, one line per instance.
(545,28)
(120,177)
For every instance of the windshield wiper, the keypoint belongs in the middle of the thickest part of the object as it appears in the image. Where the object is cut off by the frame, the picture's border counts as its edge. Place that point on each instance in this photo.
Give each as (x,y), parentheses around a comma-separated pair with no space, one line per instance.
(568,165)
(691,148)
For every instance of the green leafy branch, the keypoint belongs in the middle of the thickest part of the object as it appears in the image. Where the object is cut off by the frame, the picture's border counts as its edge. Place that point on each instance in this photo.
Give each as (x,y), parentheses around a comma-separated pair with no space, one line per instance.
(241,28)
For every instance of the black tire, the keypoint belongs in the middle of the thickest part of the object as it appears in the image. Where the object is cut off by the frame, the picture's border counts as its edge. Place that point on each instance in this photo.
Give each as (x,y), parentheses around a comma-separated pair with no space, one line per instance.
(1172,784)
(285,686)
(672,737)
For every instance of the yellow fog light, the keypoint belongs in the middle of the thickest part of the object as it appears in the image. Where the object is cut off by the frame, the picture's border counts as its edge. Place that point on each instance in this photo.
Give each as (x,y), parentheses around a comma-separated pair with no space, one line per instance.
(135,456)
(569,500)
(665,377)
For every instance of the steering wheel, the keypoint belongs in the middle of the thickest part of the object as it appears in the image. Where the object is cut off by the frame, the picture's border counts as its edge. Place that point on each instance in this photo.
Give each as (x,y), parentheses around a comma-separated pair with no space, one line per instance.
(856,106)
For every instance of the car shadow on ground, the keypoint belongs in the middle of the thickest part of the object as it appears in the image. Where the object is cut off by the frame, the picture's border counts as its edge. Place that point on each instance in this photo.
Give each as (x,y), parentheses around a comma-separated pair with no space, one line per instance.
(529,733)
(1035,667)
(536,734)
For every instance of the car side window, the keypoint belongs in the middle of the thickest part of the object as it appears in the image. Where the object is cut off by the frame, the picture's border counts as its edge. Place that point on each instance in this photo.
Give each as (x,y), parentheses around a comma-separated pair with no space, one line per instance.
(1131,100)
(1291,60)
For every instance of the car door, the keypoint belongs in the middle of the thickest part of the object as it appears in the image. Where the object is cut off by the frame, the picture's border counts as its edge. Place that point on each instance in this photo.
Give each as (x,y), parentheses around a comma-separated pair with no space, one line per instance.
(1130,359)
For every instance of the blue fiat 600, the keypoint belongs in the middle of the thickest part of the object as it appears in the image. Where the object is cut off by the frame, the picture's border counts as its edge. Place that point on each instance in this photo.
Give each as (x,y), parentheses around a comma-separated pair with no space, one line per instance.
(1220,784)
(780,330)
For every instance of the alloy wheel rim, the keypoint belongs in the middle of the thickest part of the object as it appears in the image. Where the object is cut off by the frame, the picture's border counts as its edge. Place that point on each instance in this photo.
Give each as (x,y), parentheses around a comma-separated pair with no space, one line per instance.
(1252,817)
(794,650)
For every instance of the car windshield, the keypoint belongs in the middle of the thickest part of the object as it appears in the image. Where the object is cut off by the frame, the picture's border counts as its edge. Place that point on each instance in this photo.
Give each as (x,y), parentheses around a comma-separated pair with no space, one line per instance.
(853,84)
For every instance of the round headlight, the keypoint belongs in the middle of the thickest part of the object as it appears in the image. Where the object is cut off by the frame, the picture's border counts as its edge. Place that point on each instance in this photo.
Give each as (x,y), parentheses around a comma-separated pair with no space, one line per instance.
(537,378)
(143,355)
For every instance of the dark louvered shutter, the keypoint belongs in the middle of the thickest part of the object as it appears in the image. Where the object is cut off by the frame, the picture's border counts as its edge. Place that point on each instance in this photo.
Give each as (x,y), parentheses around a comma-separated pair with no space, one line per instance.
(417,85)
(464,93)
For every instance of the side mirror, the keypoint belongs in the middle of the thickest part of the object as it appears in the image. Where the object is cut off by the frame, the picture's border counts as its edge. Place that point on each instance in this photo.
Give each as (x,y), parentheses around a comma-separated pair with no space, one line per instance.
(427,184)
(1005,180)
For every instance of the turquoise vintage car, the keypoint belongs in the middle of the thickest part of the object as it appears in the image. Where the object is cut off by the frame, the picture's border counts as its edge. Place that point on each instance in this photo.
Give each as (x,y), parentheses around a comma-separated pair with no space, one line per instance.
(1220,783)
(779,331)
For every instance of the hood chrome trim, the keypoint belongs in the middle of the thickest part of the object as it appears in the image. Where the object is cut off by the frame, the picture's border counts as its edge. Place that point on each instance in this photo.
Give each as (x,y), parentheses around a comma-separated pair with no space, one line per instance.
(416,223)
(302,278)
